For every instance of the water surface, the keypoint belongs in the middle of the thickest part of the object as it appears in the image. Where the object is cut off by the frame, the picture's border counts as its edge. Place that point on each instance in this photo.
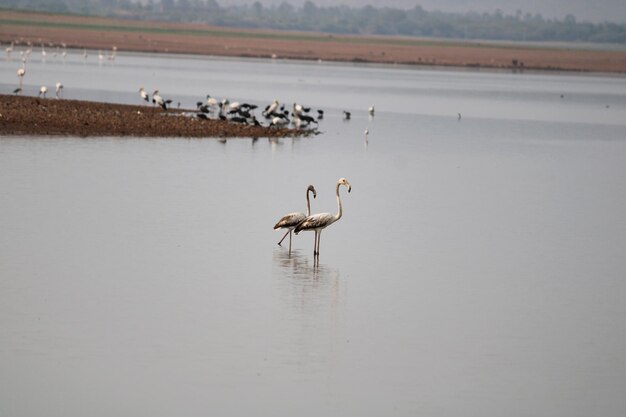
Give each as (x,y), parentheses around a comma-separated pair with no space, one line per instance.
(478,268)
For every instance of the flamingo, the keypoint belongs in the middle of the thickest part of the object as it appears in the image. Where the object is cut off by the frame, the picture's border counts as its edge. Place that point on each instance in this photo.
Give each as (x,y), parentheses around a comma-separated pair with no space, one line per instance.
(59,90)
(291,220)
(42,91)
(320,221)
(20,74)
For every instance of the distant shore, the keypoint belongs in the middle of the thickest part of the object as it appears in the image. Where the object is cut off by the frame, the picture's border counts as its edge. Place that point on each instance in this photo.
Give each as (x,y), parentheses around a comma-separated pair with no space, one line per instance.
(143,36)
(50,116)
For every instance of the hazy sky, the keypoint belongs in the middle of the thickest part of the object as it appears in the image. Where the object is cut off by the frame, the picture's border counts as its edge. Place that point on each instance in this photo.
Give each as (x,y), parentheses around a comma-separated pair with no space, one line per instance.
(595,11)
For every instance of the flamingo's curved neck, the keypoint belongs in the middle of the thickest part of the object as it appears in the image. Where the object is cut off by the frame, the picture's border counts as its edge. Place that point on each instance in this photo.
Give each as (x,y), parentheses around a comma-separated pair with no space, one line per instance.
(339,208)
(308,204)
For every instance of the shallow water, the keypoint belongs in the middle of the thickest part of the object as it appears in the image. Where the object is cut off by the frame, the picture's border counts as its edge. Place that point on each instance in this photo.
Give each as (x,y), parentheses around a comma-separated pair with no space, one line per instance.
(478,268)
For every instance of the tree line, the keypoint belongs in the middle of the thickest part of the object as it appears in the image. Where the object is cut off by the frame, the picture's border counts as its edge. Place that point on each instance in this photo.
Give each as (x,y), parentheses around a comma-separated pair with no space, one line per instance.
(367,20)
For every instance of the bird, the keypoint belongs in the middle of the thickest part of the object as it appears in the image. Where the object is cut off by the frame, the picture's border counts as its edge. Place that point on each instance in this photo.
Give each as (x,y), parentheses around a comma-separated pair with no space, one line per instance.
(367,133)
(318,222)
(371,110)
(271,108)
(459,116)
(42,91)
(158,100)
(291,220)
(212,102)
(20,74)
(279,122)
(58,90)
(346,115)
(144,95)
(17,91)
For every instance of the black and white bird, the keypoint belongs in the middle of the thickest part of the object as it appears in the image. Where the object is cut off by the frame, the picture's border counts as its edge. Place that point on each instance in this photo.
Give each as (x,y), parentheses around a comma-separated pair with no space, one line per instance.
(158,100)
(318,222)
(291,220)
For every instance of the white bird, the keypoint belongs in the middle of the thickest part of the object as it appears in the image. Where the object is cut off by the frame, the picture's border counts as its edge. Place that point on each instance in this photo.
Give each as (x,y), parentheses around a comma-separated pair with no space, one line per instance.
(279,122)
(59,90)
(367,133)
(211,101)
(272,107)
(42,91)
(144,95)
(291,220)
(20,74)
(9,50)
(319,222)
(371,110)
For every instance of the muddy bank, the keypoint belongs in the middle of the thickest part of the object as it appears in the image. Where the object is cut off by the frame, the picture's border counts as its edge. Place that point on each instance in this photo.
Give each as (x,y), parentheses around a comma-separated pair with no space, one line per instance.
(38,116)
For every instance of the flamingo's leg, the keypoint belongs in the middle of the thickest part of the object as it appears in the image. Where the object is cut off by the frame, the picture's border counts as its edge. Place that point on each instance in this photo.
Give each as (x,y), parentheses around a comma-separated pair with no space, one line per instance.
(281,241)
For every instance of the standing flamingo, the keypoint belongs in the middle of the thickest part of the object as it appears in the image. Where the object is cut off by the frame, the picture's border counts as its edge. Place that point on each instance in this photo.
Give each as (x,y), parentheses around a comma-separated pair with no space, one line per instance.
(318,222)
(291,220)
(20,74)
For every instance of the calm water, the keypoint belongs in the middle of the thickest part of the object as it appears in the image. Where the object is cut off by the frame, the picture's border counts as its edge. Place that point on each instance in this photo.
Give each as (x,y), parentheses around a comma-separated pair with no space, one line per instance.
(478,269)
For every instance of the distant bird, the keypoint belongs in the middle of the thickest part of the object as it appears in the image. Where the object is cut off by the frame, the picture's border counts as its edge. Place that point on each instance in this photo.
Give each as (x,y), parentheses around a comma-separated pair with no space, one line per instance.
(42,91)
(158,100)
(9,50)
(371,110)
(58,90)
(271,108)
(318,222)
(279,121)
(291,220)
(367,132)
(212,102)
(20,74)
(144,95)
(320,114)
(459,116)
(346,115)
(17,91)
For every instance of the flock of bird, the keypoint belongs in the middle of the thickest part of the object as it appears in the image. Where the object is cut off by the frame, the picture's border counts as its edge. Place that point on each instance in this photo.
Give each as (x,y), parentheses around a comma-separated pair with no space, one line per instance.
(297,222)
(275,113)
(25,55)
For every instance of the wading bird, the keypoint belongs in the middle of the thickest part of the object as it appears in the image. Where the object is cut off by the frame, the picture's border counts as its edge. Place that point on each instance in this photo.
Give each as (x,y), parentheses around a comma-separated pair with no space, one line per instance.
(58,90)
(318,222)
(42,91)
(20,74)
(291,220)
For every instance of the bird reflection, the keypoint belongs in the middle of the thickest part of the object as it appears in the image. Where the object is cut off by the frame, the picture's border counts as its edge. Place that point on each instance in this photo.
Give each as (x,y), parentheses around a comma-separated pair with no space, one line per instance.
(299,266)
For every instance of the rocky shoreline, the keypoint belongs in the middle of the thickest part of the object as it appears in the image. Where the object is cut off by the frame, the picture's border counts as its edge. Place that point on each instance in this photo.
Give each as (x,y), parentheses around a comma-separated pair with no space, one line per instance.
(21,115)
